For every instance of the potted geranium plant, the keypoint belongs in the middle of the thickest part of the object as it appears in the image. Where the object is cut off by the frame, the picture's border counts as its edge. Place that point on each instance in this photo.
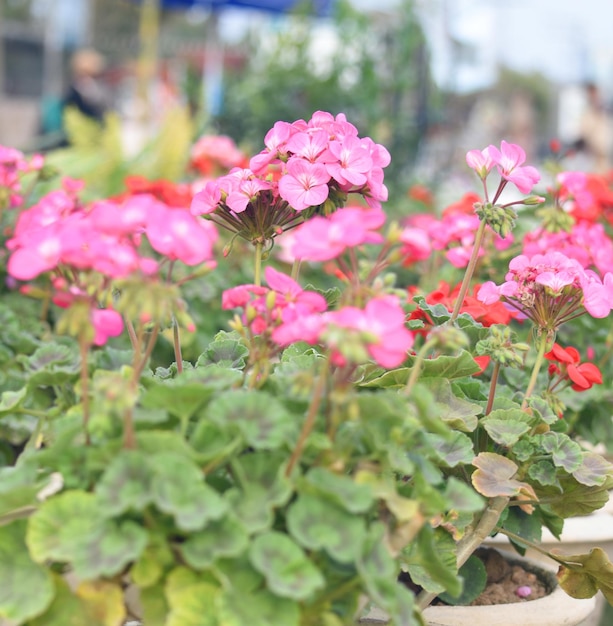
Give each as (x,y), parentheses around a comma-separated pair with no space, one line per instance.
(326,440)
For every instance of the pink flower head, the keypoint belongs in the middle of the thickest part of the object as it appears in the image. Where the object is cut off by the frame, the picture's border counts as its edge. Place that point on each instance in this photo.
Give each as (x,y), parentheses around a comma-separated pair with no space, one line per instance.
(325,238)
(274,141)
(180,236)
(550,289)
(481,161)
(107,323)
(246,192)
(348,162)
(305,184)
(206,200)
(508,161)
(381,325)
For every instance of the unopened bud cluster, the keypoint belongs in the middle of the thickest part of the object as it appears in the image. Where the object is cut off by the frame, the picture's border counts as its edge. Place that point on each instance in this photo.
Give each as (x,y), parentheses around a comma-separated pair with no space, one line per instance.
(501,219)
(500,346)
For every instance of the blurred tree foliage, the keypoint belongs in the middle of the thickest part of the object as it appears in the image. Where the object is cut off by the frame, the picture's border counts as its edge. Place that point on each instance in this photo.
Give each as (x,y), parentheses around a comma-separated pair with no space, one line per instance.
(371,66)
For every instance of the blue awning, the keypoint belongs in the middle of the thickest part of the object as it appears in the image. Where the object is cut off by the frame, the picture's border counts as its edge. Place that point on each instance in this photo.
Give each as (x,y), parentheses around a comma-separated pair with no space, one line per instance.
(315,7)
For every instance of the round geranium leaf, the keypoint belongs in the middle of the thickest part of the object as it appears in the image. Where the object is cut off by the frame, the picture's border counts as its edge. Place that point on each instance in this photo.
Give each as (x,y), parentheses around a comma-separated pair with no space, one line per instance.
(319,524)
(343,490)
(179,490)
(257,608)
(126,483)
(26,588)
(286,568)
(262,420)
(71,528)
(221,538)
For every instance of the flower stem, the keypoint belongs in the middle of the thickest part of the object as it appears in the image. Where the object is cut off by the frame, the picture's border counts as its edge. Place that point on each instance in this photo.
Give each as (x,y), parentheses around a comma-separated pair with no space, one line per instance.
(536,368)
(470,269)
(416,369)
(493,383)
(257,271)
(83,349)
(296,269)
(311,416)
(176,339)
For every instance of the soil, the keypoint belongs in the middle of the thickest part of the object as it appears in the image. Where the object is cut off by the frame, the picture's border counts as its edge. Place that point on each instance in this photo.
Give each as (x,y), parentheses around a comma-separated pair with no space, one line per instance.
(503,581)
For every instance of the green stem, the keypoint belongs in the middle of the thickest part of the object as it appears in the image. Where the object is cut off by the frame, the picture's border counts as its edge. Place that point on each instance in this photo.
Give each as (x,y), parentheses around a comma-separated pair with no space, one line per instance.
(257,272)
(536,368)
(493,383)
(83,349)
(310,419)
(177,345)
(416,369)
(472,540)
(470,269)
(296,269)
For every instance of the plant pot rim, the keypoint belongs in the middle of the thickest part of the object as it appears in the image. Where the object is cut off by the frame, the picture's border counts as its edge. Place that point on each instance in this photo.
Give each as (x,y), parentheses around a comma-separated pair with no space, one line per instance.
(554,609)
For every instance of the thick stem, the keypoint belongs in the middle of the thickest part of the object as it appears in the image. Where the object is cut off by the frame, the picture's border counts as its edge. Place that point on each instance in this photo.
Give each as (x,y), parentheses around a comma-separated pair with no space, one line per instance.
(296,269)
(83,349)
(536,368)
(473,539)
(470,269)
(310,419)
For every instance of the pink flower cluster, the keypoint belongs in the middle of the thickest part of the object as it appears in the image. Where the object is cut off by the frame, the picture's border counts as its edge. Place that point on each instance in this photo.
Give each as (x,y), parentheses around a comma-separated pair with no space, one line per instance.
(104,237)
(454,233)
(325,151)
(508,160)
(72,242)
(586,242)
(314,158)
(551,289)
(291,314)
(13,164)
(325,238)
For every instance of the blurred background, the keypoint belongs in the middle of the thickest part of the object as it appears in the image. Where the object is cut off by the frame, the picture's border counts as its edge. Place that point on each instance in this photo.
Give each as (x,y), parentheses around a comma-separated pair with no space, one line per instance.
(429,79)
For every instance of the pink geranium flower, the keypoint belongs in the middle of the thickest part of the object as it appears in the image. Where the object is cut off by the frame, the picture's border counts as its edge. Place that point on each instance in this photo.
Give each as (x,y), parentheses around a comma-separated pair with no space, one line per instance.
(508,161)
(107,323)
(325,238)
(305,184)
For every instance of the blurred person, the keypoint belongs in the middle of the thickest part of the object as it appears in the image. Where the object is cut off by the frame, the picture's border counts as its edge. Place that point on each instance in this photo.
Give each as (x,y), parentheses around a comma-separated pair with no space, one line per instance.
(86,91)
(595,132)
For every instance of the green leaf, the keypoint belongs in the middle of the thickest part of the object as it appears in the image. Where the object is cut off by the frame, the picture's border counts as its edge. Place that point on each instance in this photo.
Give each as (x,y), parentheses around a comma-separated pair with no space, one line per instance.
(221,538)
(71,528)
(543,409)
(155,605)
(432,561)
(190,599)
(262,420)
(157,556)
(264,486)
(474,578)
(287,570)
(180,398)
(67,609)
(342,490)
(594,470)
(257,608)
(453,449)
(379,572)
(26,588)
(52,364)
(526,526)
(319,524)
(462,497)
(179,490)
(213,442)
(458,413)
(544,472)
(225,352)
(583,575)
(504,431)
(565,453)
(574,498)
(126,485)
(11,400)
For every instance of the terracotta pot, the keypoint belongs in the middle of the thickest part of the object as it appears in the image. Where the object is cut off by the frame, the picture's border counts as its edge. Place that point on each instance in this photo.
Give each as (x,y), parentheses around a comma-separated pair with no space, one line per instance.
(555,609)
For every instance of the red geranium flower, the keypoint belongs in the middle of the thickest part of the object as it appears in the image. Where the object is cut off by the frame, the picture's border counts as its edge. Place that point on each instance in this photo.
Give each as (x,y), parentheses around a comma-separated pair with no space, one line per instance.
(567,366)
